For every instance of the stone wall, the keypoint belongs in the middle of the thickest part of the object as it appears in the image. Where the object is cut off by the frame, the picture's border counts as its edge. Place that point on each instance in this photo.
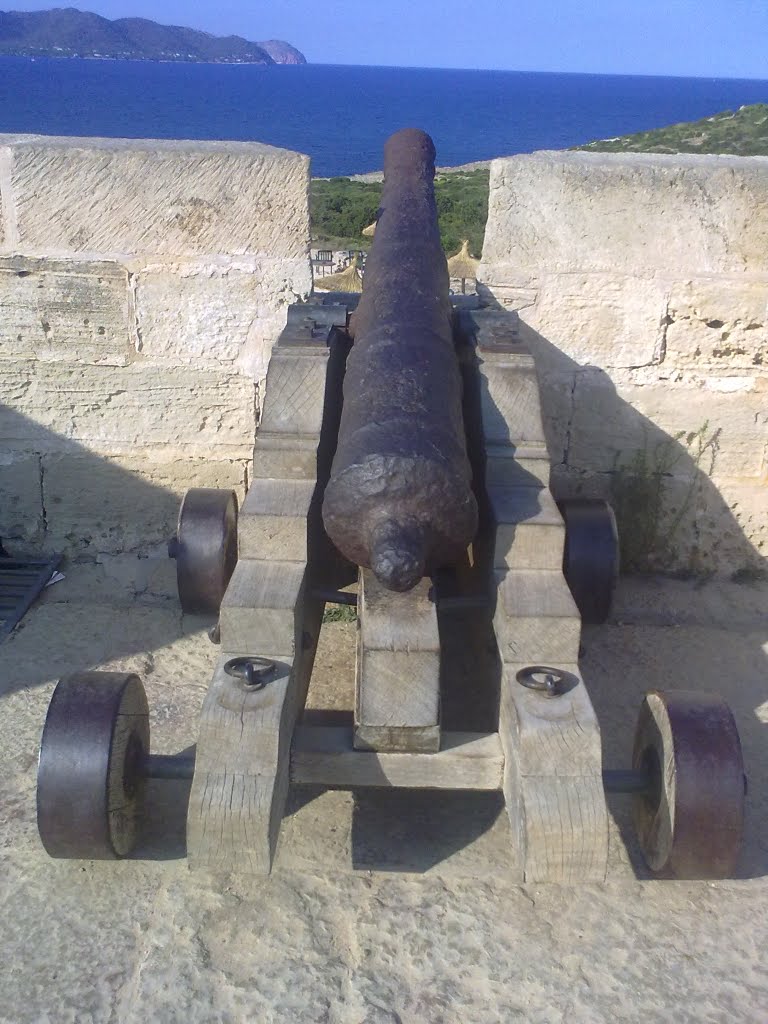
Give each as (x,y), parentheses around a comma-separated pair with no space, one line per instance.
(142,285)
(641,284)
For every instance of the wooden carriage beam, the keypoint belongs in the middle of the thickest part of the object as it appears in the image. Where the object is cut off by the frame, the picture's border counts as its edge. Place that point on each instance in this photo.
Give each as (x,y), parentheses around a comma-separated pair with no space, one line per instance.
(324,756)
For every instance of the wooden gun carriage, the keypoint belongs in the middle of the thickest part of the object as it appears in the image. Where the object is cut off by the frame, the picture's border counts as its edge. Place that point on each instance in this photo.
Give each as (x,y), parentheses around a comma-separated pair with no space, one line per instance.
(471,586)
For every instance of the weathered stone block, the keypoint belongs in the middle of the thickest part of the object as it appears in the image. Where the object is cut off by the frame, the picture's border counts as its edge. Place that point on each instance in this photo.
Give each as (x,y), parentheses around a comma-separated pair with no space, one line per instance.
(508,286)
(687,524)
(733,528)
(556,392)
(21,503)
(718,324)
(118,409)
(567,482)
(180,198)
(55,310)
(629,213)
(125,503)
(217,312)
(6,204)
(612,423)
(607,319)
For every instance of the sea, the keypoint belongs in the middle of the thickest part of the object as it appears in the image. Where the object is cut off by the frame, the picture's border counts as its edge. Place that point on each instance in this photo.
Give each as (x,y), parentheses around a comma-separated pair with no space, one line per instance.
(341,115)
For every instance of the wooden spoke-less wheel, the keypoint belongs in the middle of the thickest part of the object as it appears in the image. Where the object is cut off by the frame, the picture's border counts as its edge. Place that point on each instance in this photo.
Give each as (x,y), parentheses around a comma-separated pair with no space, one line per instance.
(590,556)
(205,548)
(90,778)
(689,821)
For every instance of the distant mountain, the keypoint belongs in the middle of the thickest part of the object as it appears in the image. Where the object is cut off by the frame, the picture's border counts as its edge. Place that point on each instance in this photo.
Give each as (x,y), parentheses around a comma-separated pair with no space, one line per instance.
(282,52)
(67,32)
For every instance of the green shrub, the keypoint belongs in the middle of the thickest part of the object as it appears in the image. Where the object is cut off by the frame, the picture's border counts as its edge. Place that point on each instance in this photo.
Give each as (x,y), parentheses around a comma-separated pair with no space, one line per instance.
(340,208)
(744,132)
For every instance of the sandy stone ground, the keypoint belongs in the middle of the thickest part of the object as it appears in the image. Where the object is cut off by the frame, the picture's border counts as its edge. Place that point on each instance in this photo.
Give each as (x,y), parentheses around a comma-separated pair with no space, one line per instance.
(389,908)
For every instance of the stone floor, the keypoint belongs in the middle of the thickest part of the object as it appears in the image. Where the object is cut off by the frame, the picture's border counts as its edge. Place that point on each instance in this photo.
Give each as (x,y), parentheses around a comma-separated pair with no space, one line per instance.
(389,907)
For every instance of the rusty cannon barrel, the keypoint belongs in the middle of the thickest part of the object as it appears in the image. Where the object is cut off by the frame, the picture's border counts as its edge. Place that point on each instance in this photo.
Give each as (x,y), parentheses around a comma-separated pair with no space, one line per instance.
(399,499)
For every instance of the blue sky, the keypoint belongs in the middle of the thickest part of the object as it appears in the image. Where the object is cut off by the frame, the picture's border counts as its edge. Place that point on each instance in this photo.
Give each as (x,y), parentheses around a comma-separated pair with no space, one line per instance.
(705,38)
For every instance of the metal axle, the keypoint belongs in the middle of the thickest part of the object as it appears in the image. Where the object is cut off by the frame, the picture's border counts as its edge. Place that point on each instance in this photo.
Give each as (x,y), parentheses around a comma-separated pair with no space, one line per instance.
(170,766)
(182,766)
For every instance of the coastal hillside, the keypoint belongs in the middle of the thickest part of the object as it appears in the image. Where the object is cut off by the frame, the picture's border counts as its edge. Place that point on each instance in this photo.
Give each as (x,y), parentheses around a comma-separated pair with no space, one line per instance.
(743,132)
(67,32)
(341,207)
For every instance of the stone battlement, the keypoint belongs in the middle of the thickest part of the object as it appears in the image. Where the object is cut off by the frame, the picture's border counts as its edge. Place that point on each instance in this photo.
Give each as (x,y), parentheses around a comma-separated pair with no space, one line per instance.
(142,285)
(641,284)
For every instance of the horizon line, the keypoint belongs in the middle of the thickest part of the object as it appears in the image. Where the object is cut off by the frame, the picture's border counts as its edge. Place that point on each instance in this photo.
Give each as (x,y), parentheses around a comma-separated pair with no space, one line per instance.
(401,67)
(533,71)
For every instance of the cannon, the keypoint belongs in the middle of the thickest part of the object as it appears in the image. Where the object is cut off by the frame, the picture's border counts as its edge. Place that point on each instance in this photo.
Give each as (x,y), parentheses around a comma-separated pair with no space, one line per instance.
(400,467)
(399,500)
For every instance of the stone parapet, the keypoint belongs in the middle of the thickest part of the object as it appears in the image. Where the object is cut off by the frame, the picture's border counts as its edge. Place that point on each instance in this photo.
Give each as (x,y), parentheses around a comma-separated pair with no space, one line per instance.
(641,284)
(142,286)
(152,197)
(631,213)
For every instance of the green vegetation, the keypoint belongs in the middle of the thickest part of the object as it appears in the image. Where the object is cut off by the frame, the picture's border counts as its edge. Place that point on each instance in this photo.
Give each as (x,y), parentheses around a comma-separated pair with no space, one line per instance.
(340,208)
(648,517)
(339,613)
(462,208)
(743,132)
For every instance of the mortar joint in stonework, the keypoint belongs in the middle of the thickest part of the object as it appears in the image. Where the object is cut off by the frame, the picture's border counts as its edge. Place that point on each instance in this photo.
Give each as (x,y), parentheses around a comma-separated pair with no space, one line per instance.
(133,312)
(660,348)
(571,413)
(43,509)
(8,215)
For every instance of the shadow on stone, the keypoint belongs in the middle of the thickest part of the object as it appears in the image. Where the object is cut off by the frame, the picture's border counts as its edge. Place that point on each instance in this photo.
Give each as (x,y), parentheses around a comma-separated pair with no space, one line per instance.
(56,494)
(414,830)
(112,526)
(601,446)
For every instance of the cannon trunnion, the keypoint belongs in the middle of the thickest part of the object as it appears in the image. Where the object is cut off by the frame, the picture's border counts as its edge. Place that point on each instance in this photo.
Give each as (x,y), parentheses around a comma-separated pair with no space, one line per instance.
(472,585)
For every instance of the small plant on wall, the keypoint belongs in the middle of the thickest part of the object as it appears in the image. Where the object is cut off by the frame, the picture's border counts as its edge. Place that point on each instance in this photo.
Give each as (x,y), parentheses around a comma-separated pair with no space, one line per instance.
(640,492)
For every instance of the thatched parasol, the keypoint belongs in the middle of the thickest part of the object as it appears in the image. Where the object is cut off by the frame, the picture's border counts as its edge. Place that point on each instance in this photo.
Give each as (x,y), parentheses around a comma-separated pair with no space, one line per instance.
(462,265)
(369,231)
(348,280)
